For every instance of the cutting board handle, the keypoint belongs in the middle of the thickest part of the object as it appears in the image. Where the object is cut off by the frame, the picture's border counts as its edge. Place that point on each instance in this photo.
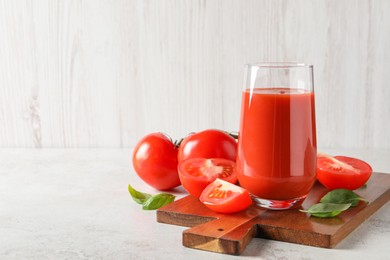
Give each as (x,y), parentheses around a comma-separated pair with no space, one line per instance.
(223,235)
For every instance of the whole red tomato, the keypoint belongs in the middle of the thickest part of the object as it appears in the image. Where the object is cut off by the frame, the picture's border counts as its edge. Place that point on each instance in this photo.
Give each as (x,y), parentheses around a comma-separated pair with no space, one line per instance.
(155,161)
(209,143)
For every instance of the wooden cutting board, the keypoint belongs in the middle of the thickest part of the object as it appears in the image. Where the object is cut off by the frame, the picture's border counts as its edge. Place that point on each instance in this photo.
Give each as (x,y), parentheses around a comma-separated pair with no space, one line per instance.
(231,233)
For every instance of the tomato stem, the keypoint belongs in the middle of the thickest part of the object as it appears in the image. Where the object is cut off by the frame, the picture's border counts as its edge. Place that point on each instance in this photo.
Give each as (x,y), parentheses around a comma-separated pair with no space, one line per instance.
(233,134)
(178,142)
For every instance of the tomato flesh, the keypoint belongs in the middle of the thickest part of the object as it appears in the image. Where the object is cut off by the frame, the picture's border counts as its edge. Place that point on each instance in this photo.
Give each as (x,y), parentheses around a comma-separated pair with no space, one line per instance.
(210,143)
(342,172)
(196,173)
(225,197)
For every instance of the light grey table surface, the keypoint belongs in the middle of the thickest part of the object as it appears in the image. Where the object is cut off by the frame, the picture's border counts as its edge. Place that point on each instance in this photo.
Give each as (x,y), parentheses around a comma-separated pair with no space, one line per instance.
(74,204)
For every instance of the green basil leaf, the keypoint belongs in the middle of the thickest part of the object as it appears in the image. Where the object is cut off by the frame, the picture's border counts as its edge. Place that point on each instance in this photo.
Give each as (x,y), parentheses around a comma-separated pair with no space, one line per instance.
(138,196)
(157,201)
(342,196)
(326,214)
(327,210)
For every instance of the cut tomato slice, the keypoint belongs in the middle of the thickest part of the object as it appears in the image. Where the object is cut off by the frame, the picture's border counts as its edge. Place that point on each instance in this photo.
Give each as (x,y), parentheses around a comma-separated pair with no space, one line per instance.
(342,172)
(225,197)
(195,174)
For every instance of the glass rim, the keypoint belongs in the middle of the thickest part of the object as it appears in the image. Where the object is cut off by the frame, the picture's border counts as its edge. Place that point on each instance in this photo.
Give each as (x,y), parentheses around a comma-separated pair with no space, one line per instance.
(279,65)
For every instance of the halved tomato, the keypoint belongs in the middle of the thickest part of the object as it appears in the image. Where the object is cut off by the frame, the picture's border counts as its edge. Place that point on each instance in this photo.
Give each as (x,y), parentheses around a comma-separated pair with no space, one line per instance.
(225,197)
(342,172)
(196,173)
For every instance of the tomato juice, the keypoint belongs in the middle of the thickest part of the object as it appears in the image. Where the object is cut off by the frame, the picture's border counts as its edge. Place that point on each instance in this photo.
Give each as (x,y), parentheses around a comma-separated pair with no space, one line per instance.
(277,147)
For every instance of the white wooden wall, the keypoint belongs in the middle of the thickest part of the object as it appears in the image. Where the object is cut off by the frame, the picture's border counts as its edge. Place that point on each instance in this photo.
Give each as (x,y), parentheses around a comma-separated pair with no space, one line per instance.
(103,73)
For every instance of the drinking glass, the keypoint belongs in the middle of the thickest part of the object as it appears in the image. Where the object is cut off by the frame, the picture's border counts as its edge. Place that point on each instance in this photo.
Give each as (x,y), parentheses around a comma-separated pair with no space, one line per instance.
(276,159)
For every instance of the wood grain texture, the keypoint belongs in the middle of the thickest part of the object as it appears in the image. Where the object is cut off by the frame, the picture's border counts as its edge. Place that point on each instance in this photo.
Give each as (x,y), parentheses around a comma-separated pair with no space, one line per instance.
(98,73)
(231,233)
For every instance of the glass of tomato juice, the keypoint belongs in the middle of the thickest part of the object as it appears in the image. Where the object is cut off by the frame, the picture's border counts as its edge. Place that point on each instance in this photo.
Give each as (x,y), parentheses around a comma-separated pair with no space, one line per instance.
(277,147)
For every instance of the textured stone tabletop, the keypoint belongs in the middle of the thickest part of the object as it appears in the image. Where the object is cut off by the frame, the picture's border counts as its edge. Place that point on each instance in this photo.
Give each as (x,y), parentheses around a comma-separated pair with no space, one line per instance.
(74,204)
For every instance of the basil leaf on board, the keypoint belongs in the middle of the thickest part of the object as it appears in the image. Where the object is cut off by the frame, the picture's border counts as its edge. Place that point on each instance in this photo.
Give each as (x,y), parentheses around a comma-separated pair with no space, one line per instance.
(327,210)
(342,196)
(157,201)
(326,214)
(138,196)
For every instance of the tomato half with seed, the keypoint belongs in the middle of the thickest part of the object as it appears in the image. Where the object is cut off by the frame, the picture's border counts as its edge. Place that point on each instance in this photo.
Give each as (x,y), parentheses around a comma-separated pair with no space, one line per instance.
(342,172)
(210,143)
(196,173)
(225,197)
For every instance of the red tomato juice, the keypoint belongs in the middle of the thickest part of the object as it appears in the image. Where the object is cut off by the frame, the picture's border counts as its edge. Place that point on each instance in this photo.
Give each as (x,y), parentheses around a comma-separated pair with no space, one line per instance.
(277,146)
